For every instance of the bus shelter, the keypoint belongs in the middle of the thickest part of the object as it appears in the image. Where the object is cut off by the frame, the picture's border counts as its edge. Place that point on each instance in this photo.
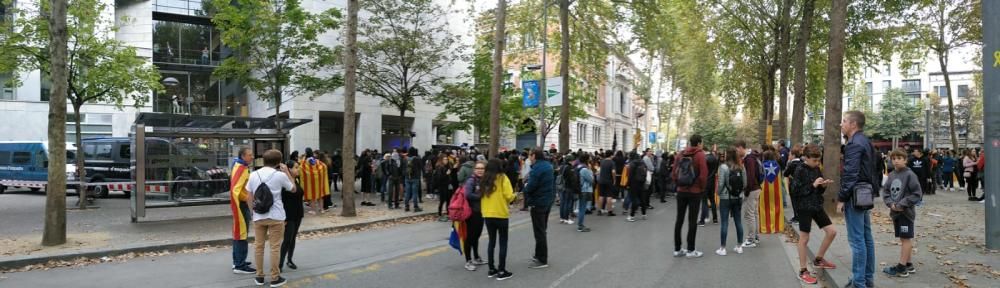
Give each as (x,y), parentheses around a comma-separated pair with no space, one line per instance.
(185,160)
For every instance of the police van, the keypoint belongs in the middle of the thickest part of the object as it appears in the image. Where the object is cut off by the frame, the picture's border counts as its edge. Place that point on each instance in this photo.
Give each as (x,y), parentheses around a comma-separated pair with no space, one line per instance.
(193,171)
(25,164)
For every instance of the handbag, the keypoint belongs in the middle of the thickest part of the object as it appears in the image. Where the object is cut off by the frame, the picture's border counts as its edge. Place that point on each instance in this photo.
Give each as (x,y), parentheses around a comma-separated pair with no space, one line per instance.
(863,196)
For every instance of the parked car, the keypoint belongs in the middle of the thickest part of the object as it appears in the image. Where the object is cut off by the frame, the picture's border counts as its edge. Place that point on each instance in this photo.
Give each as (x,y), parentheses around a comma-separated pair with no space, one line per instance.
(111,160)
(26,164)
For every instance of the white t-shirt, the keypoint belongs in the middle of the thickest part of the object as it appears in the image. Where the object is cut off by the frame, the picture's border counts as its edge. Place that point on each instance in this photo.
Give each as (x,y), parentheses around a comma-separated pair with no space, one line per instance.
(276,180)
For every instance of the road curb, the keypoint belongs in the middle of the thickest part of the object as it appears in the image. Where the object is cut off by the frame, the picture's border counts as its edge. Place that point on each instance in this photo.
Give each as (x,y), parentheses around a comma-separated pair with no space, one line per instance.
(26,261)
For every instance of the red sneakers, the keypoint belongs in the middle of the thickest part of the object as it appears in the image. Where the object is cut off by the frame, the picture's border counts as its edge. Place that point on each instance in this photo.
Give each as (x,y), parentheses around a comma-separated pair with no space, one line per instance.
(823,264)
(807,277)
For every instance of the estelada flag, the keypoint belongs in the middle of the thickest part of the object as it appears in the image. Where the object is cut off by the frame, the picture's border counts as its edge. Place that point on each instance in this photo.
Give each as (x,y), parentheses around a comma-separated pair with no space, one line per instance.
(314,178)
(771,211)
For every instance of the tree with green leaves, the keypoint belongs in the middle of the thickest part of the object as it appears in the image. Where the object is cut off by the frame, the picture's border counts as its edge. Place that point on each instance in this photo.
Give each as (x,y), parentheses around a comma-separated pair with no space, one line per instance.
(942,26)
(897,116)
(714,125)
(278,54)
(834,91)
(403,51)
(496,83)
(101,69)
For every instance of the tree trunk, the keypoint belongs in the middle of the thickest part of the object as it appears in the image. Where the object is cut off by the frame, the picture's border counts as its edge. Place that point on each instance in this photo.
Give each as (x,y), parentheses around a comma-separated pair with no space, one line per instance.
(799,102)
(564,72)
(783,60)
(55,194)
(277,111)
(402,130)
(500,38)
(81,190)
(350,119)
(834,89)
(943,61)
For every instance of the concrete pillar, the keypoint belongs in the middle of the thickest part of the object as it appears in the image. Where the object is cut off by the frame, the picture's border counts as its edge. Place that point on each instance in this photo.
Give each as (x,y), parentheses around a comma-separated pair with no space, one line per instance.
(424,129)
(369,132)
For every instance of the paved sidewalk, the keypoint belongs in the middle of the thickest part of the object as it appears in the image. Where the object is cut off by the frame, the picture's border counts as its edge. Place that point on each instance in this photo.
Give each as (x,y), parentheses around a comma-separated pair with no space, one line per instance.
(108,232)
(949,249)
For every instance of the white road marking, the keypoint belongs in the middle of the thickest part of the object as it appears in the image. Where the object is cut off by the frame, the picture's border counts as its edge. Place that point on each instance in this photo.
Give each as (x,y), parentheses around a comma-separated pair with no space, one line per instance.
(575,269)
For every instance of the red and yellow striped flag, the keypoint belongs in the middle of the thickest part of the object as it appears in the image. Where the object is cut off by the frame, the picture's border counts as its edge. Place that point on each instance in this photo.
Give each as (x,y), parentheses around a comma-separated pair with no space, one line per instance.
(770,208)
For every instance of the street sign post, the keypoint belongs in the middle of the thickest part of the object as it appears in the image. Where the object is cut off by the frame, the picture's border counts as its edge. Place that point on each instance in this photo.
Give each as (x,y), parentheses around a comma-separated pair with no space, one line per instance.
(991,115)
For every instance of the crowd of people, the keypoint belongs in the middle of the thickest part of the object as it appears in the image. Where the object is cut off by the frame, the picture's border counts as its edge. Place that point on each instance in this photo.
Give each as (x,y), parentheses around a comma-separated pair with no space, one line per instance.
(747,185)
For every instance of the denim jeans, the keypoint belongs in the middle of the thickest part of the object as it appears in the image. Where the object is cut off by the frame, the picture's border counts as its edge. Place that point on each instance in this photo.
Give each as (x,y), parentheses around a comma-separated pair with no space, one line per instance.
(412,187)
(566,203)
(731,207)
(582,205)
(627,194)
(859,236)
(240,250)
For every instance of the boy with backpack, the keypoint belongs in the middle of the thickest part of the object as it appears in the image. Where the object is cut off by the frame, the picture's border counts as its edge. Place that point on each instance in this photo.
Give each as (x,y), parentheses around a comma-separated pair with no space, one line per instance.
(751,192)
(569,180)
(808,204)
(690,174)
(269,212)
(901,194)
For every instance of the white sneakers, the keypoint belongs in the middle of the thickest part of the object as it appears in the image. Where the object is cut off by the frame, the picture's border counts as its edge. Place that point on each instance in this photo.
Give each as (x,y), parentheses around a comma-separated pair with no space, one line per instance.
(569,221)
(566,221)
(469,266)
(630,219)
(694,254)
(749,244)
(738,249)
(721,251)
(680,253)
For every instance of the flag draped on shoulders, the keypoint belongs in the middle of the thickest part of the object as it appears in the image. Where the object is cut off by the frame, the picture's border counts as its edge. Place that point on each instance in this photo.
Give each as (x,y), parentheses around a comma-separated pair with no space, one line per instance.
(770,208)
(314,178)
(238,177)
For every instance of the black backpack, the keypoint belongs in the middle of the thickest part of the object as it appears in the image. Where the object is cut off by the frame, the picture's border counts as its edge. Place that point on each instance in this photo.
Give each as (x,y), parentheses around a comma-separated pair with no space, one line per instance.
(262,198)
(735,182)
(571,179)
(686,174)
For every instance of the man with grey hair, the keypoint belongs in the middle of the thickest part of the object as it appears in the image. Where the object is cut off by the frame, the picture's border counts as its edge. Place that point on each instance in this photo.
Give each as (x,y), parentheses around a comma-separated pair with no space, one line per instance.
(858,172)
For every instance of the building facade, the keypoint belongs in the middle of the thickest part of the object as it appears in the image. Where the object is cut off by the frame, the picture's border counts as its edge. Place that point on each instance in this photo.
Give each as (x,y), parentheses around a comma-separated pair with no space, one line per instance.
(178,37)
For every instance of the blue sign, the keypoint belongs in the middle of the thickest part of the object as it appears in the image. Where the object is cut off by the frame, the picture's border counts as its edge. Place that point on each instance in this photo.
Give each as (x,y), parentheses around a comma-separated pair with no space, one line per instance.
(652,137)
(531,92)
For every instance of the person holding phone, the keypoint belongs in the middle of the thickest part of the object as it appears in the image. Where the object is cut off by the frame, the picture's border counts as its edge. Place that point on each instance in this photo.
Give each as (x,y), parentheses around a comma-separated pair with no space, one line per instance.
(808,205)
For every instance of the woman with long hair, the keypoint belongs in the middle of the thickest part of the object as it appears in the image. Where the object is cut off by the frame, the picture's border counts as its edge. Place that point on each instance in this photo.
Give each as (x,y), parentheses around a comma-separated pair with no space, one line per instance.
(292,203)
(474,224)
(440,183)
(730,194)
(969,163)
(497,195)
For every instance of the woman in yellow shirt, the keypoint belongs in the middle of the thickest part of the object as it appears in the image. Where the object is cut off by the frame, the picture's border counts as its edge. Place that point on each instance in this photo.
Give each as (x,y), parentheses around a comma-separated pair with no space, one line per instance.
(497,194)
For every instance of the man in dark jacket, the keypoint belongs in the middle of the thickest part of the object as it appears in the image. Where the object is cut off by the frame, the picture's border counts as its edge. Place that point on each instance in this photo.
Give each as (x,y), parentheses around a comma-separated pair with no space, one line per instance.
(858,170)
(689,197)
(921,165)
(539,193)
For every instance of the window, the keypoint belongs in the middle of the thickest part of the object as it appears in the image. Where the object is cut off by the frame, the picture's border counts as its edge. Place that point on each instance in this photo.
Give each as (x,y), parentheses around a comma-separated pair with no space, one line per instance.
(46,88)
(868,89)
(888,70)
(621,102)
(125,151)
(941,91)
(183,43)
(21,158)
(913,70)
(597,136)
(4,157)
(963,91)
(97,151)
(183,7)
(848,101)
(886,85)
(912,89)
(581,132)
(6,81)
(41,160)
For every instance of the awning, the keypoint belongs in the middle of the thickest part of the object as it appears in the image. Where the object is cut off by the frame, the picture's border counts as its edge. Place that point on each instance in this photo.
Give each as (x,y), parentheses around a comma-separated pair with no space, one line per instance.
(165,123)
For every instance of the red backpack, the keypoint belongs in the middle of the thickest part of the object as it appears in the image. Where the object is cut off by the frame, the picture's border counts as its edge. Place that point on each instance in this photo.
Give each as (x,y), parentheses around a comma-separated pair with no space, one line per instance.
(458,208)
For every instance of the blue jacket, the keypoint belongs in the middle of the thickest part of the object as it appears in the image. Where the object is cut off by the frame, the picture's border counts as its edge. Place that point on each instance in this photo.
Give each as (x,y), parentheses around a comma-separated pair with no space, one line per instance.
(586,179)
(859,164)
(540,191)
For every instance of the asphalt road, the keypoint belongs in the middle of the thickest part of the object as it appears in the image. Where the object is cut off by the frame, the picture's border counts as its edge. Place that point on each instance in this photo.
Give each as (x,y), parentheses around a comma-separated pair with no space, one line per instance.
(615,254)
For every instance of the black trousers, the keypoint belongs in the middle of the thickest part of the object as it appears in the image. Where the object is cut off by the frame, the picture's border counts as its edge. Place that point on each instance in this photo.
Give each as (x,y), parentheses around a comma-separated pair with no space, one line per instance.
(497,228)
(288,244)
(971,183)
(539,223)
(689,203)
(445,199)
(474,229)
(640,199)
